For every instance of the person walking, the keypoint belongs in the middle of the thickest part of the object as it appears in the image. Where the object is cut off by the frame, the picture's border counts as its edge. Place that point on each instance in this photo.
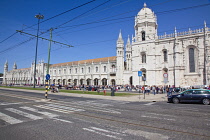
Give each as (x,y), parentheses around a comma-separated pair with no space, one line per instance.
(153,90)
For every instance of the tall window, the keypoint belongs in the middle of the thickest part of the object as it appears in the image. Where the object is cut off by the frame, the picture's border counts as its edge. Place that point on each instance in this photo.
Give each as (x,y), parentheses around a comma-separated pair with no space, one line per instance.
(96,69)
(192,59)
(165,57)
(82,70)
(75,70)
(64,71)
(70,71)
(89,69)
(143,55)
(113,68)
(104,68)
(143,35)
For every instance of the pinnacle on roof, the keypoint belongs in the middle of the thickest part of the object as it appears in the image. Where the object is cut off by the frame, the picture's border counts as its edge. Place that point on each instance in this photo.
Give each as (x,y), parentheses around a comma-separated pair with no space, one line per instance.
(120,39)
(145,5)
(128,41)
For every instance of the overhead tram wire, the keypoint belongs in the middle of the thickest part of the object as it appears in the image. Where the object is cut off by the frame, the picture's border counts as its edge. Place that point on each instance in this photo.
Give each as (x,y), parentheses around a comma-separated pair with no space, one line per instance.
(51,18)
(63,13)
(8,37)
(101,41)
(83,14)
(15,46)
(164,12)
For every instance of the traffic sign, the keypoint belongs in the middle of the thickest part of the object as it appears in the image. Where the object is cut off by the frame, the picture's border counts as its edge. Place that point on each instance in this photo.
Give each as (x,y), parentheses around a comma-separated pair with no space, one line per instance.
(165,75)
(47,77)
(139,73)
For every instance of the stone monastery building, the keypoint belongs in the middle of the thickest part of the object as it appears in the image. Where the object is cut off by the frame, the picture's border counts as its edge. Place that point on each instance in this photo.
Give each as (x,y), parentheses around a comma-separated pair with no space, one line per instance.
(180,59)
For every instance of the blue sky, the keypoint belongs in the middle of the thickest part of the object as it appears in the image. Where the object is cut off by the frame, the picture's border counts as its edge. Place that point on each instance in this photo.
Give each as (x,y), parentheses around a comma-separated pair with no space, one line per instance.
(92,29)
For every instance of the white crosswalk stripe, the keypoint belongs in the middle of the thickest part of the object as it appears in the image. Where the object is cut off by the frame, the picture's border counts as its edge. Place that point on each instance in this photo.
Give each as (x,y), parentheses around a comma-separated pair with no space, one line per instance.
(50,115)
(105,132)
(9,119)
(19,112)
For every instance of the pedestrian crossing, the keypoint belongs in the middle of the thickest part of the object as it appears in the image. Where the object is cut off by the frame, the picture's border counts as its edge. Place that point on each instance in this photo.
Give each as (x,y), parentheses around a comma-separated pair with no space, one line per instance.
(20,114)
(8,115)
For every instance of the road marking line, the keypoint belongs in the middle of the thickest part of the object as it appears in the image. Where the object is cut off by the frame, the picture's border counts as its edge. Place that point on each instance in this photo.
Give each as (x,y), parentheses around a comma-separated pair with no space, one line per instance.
(100,133)
(53,109)
(107,131)
(31,116)
(150,103)
(65,107)
(50,115)
(147,135)
(14,103)
(153,117)
(62,120)
(9,119)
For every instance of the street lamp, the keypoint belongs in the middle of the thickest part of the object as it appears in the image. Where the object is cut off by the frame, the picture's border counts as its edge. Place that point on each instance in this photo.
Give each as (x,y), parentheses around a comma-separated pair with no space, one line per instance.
(38,17)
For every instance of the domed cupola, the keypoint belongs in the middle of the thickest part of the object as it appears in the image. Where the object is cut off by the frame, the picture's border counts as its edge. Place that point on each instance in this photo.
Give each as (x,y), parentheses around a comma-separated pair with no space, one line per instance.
(145,24)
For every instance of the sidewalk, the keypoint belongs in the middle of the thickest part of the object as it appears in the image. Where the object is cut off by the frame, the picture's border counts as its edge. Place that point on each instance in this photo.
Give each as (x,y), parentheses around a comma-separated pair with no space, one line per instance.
(132,98)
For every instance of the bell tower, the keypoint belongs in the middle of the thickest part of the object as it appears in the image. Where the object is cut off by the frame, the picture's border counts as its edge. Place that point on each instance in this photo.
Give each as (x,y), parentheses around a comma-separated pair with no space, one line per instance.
(120,59)
(145,25)
(5,72)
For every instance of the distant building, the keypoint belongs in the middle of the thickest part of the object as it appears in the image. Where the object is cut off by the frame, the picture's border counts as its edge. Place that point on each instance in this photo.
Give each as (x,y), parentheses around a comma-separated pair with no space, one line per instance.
(180,59)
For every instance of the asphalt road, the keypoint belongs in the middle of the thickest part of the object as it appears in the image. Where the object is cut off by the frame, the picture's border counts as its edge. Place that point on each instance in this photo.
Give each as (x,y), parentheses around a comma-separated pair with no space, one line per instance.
(28,116)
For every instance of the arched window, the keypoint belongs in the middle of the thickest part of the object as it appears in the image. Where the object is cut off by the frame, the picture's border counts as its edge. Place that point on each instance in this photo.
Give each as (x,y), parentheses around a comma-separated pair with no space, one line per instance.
(96,69)
(192,59)
(104,68)
(143,57)
(143,35)
(96,81)
(70,71)
(113,68)
(165,56)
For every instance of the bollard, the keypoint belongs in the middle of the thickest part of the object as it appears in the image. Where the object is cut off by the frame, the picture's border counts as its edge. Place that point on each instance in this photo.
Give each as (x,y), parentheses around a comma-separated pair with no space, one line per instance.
(46,89)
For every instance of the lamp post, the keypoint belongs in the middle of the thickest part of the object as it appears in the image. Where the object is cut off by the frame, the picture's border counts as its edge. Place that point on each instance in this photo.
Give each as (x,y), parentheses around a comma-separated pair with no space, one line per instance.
(37,37)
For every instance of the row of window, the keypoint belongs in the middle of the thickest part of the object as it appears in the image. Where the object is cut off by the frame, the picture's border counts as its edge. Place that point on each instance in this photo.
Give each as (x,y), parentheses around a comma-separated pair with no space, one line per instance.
(165,58)
(76,70)
(143,56)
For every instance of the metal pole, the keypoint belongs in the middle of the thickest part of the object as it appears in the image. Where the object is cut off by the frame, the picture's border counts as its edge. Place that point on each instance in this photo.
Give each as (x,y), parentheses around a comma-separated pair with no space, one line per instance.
(48,64)
(204,69)
(39,17)
(49,49)
(174,57)
(139,87)
(144,85)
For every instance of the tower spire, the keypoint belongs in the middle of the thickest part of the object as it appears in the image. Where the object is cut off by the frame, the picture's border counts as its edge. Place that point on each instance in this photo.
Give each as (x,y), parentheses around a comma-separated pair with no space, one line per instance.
(120,39)
(14,66)
(128,41)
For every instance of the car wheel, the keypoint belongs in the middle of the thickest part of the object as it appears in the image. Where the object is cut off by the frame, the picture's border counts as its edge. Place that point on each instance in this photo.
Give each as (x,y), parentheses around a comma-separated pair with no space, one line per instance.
(175,100)
(206,101)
